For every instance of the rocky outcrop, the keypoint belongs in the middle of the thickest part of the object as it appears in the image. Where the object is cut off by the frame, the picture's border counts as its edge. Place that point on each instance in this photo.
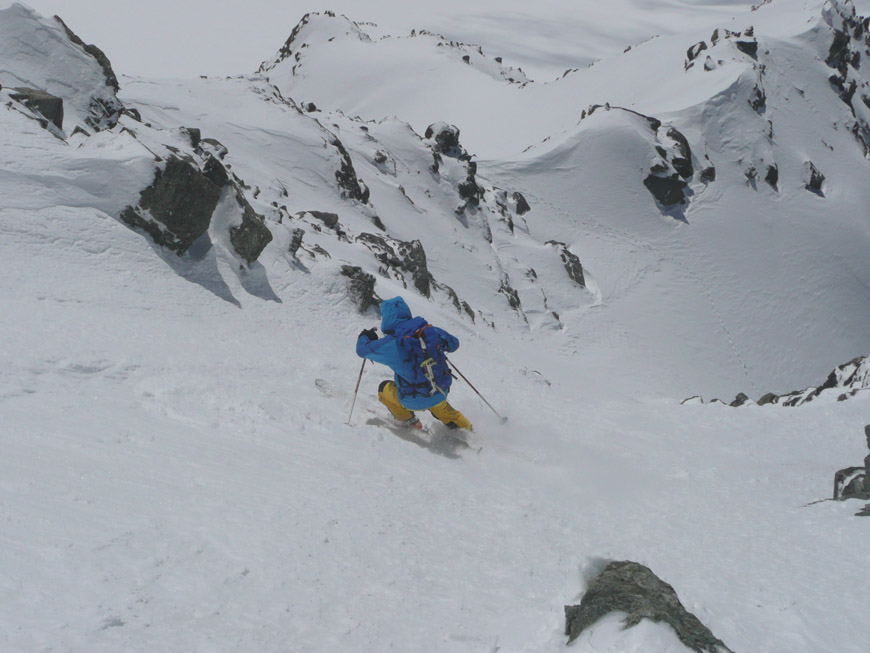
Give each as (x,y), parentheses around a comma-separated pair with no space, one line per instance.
(401,260)
(360,287)
(351,186)
(571,261)
(850,46)
(96,53)
(249,238)
(854,482)
(446,139)
(45,104)
(177,208)
(813,179)
(445,142)
(668,190)
(631,588)
(844,382)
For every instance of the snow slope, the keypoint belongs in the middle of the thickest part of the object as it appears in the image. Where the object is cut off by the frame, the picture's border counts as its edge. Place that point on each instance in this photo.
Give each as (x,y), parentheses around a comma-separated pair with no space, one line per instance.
(178,473)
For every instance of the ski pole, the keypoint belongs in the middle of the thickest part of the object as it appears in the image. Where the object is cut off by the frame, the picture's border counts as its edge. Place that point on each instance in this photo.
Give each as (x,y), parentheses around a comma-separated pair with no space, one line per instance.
(449,362)
(356,390)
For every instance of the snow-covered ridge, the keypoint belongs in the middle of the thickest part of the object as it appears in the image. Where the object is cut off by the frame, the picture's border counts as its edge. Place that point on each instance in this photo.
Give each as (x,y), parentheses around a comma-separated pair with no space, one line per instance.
(44,54)
(182,290)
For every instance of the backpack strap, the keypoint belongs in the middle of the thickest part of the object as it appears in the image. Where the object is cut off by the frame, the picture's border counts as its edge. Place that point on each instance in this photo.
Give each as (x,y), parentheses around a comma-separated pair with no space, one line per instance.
(429,362)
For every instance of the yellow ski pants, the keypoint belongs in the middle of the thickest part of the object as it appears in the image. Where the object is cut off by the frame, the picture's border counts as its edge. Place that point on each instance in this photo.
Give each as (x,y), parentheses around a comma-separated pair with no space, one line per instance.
(388,394)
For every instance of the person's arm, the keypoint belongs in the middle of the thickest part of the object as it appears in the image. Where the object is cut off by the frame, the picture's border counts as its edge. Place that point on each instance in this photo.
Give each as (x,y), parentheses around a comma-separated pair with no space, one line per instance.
(368,345)
(449,342)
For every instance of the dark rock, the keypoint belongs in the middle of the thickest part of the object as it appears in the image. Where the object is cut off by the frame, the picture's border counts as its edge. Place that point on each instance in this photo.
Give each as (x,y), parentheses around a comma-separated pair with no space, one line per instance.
(402,258)
(470,191)
(194,134)
(176,208)
(668,191)
(708,174)
(739,400)
(296,241)
(813,179)
(380,157)
(96,53)
(849,483)
(758,99)
(682,163)
(769,398)
(250,238)
(220,150)
(634,589)
(215,172)
(310,107)
(571,261)
(446,139)
(839,54)
(508,291)
(329,219)
(522,205)
(748,47)
(772,176)
(351,185)
(695,50)
(133,113)
(466,58)
(361,287)
(47,105)
(683,167)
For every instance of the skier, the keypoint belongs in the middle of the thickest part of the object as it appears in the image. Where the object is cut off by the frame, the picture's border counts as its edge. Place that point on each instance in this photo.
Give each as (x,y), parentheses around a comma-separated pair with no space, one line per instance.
(415,352)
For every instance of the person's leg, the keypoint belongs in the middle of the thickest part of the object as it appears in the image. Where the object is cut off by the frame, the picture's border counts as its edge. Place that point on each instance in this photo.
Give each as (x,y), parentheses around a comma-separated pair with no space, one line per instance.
(450,416)
(388,395)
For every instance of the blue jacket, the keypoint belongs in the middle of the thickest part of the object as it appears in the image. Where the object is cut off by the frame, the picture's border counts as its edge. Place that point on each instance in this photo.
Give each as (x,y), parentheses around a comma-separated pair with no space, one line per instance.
(397,323)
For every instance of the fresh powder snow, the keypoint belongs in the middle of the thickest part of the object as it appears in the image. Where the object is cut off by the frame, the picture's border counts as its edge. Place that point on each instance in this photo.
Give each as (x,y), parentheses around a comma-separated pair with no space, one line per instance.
(181,469)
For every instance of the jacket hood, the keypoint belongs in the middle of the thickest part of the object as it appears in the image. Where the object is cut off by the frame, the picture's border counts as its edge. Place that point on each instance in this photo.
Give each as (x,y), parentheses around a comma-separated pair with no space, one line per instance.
(393,312)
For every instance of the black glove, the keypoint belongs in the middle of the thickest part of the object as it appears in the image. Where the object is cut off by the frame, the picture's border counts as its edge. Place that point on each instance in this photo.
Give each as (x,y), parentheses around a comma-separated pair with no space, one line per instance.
(371,334)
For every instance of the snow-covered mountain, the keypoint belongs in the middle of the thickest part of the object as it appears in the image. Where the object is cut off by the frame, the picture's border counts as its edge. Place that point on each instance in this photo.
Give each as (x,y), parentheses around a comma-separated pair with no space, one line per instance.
(187,263)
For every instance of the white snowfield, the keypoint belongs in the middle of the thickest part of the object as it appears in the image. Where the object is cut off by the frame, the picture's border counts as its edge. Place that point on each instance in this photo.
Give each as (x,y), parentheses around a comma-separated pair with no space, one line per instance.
(177,470)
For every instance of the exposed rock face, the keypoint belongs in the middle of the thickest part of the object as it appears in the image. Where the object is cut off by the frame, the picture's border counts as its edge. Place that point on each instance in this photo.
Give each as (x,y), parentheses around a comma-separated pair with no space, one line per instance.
(693,52)
(361,287)
(849,483)
(250,238)
(748,47)
(176,208)
(402,259)
(51,58)
(844,382)
(683,161)
(96,53)
(329,219)
(521,203)
(632,588)
(772,177)
(572,263)
(351,186)
(446,139)
(850,41)
(47,105)
(813,179)
(668,191)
